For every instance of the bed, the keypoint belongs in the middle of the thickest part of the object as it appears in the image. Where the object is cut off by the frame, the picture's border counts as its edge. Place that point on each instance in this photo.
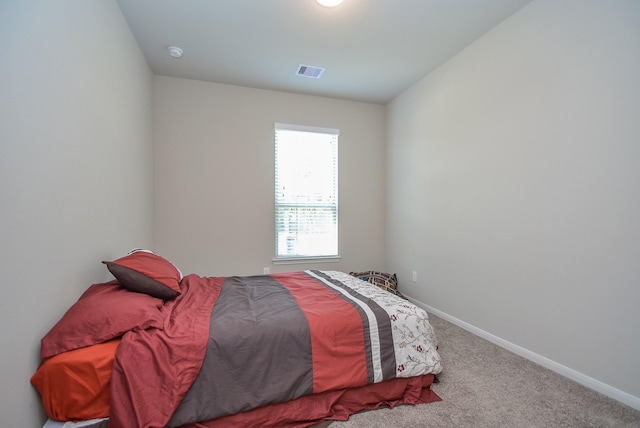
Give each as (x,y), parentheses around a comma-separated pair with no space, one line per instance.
(153,349)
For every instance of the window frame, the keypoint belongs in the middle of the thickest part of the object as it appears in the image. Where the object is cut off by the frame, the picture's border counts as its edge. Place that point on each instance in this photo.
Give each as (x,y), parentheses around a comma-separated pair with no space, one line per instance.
(293,259)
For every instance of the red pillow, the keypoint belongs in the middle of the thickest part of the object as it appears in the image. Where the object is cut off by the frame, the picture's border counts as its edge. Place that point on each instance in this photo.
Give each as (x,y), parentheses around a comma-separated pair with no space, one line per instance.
(103,312)
(146,272)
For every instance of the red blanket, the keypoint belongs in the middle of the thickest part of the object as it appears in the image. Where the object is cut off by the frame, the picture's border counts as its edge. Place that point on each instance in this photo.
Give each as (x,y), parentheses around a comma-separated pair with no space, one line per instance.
(234,344)
(154,368)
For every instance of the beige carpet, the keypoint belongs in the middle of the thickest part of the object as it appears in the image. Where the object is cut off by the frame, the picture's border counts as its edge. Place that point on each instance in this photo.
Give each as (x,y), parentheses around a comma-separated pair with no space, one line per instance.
(510,392)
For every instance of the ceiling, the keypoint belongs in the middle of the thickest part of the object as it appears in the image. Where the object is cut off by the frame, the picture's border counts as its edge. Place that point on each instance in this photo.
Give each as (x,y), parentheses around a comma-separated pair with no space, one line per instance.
(372,50)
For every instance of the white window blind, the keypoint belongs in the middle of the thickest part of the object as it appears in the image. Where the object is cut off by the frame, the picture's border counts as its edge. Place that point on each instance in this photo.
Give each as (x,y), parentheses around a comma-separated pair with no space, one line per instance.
(306,191)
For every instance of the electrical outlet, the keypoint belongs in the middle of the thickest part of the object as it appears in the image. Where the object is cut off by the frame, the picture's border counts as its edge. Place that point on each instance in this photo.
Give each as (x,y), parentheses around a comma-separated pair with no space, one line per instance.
(266,271)
(414,276)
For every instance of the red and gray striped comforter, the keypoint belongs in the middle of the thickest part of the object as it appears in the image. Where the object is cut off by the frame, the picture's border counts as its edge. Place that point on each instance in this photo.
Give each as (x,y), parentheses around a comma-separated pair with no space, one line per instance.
(237,343)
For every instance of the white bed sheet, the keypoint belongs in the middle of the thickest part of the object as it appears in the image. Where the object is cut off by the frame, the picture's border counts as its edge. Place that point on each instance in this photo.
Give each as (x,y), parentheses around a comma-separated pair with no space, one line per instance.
(57,424)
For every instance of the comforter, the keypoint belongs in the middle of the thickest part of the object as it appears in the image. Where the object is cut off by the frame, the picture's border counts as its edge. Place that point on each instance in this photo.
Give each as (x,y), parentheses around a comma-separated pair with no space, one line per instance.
(233,344)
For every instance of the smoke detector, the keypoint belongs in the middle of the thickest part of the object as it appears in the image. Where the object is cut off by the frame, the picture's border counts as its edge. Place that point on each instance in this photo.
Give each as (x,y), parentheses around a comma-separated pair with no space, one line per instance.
(309,71)
(175,51)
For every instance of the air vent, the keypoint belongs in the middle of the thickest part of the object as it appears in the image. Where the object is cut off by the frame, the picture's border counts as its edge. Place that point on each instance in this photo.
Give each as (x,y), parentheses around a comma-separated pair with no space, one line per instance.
(309,71)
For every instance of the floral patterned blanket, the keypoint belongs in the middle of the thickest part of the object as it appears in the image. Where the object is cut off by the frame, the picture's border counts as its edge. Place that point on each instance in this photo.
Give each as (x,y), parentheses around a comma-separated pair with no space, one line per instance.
(237,343)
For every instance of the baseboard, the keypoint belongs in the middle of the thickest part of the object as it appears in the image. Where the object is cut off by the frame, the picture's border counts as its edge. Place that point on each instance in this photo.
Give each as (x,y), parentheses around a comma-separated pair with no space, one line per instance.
(574,375)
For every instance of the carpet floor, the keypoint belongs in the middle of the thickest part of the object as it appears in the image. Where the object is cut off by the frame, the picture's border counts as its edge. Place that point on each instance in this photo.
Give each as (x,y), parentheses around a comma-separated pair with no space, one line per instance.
(508,391)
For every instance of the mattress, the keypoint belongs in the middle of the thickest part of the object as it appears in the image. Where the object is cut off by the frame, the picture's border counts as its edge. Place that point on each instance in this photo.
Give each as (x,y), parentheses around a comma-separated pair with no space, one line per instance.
(74,385)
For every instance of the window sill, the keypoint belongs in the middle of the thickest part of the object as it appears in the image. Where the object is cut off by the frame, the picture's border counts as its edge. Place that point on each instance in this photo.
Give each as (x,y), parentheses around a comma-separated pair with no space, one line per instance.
(301,260)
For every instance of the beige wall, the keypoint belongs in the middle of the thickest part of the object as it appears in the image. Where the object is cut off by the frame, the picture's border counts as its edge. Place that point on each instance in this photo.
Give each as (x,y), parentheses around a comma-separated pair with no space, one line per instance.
(214,176)
(514,187)
(75,171)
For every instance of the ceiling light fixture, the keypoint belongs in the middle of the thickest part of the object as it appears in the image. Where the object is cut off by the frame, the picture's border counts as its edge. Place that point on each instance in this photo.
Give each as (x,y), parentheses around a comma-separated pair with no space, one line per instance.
(175,51)
(329,3)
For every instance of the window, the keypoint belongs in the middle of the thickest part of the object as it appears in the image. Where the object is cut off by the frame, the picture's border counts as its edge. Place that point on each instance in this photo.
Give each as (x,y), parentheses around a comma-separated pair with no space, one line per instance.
(306,193)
